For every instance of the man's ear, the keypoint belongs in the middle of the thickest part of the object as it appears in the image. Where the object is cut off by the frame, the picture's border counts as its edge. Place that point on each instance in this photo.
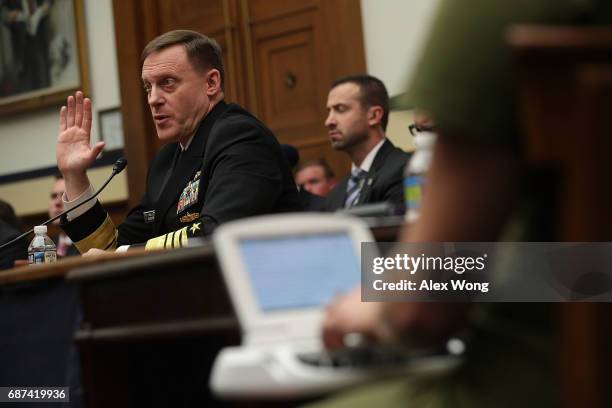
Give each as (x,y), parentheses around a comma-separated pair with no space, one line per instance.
(213,82)
(375,115)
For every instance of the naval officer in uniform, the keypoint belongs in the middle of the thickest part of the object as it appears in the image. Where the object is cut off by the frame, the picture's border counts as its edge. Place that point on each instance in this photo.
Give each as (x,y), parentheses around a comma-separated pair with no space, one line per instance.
(219,162)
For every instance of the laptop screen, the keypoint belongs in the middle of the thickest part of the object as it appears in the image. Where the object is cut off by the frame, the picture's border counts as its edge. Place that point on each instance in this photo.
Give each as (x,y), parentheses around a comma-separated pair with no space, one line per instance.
(300,271)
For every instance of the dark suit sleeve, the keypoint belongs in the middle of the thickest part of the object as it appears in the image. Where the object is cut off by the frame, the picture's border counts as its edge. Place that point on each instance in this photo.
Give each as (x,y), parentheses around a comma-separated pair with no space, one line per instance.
(15,251)
(394,193)
(134,230)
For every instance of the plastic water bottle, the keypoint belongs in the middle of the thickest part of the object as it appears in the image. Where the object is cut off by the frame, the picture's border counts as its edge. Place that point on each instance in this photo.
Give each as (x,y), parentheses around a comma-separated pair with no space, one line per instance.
(414,174)
(41,249)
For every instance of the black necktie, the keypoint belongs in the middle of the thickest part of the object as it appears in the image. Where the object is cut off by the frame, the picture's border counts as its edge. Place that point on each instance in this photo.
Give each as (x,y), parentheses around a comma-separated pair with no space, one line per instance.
(177,158)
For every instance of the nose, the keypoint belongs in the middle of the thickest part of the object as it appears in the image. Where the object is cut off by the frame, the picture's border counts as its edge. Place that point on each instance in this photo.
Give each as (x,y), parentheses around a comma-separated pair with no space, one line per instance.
(155,97)
(330,121)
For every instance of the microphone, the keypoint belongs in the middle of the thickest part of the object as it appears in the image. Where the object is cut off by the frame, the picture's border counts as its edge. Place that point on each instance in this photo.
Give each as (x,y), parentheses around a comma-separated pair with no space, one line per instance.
(117,168)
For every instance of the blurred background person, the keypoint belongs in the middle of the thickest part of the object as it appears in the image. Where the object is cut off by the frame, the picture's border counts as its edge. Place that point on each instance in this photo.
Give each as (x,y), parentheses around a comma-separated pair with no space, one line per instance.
(315,176)
(10,228)
(7,214)
(308,201)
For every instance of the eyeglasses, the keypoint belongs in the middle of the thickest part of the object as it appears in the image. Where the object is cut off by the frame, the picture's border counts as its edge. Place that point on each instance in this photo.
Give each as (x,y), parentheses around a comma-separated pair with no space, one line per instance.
(415,129)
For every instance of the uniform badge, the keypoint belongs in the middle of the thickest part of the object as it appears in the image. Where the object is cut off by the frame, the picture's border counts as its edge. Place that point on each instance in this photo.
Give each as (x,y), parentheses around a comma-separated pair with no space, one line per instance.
(189,196)
(189,217)
(194,227)
(149,216)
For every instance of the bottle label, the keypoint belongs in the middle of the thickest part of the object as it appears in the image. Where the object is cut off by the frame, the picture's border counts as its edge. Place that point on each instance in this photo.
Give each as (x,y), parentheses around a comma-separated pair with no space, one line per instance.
(37,257)
(50,256)
(41,257)
(413,191)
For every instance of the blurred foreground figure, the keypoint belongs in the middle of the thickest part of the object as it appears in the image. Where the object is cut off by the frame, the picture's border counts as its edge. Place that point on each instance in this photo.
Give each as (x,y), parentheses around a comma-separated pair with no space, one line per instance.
(475,193)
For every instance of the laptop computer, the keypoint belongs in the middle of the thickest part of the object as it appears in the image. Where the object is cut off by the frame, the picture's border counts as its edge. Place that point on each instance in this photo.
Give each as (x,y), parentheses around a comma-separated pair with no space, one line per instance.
(280,272)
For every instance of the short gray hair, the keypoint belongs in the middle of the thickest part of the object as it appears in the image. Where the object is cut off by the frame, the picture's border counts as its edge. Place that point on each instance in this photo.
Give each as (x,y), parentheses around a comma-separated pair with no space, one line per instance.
(203,53)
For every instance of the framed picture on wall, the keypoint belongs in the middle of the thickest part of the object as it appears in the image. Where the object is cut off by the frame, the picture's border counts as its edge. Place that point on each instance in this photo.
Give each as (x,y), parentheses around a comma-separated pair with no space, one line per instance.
(42,53)
(111,128)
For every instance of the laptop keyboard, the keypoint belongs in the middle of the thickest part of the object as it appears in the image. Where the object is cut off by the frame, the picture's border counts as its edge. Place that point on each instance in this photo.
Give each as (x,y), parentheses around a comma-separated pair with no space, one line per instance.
(356,357)
(372,355)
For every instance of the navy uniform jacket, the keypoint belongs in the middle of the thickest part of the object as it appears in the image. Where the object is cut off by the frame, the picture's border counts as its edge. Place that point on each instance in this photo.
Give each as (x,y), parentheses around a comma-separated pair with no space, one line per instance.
(384,182)
(233,168)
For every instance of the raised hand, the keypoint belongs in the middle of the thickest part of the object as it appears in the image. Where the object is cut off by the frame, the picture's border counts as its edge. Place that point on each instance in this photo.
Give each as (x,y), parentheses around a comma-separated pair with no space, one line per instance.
(74,152)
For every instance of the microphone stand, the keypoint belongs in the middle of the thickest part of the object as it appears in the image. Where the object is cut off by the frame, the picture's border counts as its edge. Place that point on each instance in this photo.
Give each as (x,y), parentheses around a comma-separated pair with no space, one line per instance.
(117,168)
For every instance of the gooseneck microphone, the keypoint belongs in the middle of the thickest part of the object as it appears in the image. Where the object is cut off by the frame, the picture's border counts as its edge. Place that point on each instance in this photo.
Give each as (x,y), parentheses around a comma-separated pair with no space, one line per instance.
(117,168)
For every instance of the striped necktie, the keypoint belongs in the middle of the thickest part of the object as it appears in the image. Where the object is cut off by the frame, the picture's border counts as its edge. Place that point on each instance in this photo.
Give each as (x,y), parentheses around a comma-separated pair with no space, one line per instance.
(353,188)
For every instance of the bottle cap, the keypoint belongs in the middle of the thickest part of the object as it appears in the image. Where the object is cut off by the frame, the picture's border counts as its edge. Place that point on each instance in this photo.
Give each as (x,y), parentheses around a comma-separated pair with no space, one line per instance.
(40,229)
(425,140)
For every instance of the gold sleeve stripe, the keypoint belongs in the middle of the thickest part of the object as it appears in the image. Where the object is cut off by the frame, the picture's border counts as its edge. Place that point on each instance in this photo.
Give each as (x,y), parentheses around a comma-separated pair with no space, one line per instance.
(177,239)
(174,239)
(170,240)
(184,239)
(112,245)
(105,237)
(156,243)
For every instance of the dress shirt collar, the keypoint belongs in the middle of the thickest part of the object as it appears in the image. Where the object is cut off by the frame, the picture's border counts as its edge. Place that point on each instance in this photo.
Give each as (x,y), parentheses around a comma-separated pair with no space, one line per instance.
(369,159)
(184,148)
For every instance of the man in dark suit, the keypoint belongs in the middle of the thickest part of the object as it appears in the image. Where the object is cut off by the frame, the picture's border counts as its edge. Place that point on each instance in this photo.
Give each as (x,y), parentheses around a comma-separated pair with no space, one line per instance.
(16,251)
(358,114)
(220,162)
(10,228)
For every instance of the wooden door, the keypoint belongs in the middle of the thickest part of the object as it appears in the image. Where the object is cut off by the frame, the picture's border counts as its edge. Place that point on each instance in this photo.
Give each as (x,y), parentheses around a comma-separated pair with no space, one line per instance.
(294,59)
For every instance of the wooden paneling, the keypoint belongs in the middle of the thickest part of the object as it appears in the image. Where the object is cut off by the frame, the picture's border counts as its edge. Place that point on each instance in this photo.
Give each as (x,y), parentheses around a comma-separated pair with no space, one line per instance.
(141,141)
(289,97)
(262,10)
(344,52)
(206,17)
